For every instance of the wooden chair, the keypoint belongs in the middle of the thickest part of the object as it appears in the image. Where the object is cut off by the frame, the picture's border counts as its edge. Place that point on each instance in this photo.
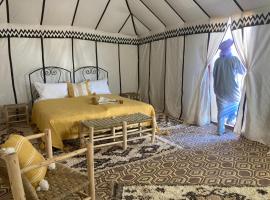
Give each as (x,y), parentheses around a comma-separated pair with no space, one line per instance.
(65,182)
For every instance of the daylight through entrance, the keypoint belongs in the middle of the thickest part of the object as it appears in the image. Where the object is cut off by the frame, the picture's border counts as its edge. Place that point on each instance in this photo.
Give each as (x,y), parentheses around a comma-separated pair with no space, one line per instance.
(230,78)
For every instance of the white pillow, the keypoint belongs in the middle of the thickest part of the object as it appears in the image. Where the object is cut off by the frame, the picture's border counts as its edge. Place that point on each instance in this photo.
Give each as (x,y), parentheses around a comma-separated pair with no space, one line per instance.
(100,87)
(51,90)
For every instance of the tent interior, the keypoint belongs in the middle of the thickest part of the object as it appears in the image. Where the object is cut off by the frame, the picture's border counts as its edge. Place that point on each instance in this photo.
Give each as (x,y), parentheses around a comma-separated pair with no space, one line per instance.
(163,52)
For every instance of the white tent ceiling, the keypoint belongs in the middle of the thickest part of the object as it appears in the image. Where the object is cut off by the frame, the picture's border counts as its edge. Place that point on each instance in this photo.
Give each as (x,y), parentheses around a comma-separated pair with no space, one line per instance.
(130,17)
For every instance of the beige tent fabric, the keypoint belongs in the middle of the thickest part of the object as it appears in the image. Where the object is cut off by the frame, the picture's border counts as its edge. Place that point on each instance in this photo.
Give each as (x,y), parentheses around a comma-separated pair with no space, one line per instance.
(252,44)
(129,68)
(6,93)
(194,67)
(23,62)
(157,71)
(108,60)
(173,83)
(144,51)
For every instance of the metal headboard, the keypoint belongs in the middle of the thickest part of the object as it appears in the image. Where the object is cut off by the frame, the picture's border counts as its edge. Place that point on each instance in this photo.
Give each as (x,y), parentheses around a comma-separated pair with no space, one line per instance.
(53,74)
(90,73)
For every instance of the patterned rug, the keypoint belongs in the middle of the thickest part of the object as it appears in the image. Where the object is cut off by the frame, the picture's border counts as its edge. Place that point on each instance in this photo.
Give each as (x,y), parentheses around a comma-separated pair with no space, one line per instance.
(114,156)
(195,192)
(105,159)
(206,159)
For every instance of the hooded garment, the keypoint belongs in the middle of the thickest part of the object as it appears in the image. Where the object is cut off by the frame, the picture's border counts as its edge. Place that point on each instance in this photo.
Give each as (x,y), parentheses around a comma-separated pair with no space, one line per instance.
(226,68)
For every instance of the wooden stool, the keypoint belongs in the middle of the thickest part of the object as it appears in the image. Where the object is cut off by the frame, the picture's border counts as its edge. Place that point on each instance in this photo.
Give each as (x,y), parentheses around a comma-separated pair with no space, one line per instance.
(15,113)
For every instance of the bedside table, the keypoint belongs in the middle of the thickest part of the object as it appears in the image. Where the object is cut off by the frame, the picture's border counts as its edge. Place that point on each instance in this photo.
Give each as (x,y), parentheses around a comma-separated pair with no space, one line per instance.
(16,113)
(131,95)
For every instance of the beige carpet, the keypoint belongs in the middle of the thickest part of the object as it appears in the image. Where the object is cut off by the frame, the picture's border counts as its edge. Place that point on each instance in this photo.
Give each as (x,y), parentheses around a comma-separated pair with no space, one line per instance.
(194,192)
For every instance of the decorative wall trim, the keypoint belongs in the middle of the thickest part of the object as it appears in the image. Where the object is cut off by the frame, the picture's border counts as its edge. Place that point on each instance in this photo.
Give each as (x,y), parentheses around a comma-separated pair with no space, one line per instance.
(35,33)
(197,29)
(253,20)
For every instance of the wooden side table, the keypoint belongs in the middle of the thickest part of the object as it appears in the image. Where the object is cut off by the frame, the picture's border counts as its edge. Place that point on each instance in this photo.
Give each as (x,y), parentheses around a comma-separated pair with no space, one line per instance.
(16,113)
(131,95)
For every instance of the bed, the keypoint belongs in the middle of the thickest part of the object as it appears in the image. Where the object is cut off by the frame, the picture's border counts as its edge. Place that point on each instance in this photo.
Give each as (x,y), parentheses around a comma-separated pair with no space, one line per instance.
(62,115)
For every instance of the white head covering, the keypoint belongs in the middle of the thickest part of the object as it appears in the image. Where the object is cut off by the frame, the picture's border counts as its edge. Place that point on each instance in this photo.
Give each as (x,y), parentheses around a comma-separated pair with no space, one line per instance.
(225,48)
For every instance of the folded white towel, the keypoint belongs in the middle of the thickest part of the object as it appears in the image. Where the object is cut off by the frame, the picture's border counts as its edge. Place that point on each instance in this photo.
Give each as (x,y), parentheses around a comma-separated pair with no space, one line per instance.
(104,100)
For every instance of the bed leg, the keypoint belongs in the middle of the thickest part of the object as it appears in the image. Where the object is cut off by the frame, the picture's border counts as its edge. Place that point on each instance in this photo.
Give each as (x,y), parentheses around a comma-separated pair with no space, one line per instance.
(81,135)
(154,127)
(124,135)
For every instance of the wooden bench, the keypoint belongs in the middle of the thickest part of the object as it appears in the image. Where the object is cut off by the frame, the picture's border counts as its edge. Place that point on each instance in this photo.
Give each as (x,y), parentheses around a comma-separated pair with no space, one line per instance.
(120,129)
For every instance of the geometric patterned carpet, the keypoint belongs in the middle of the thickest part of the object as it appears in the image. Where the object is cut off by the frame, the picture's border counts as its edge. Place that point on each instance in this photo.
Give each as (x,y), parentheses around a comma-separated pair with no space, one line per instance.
(232,162)
(206,159)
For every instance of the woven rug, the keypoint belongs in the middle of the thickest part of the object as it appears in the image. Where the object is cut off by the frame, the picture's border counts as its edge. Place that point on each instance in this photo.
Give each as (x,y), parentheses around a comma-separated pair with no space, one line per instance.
(105,159)
(114,156)
(195,192)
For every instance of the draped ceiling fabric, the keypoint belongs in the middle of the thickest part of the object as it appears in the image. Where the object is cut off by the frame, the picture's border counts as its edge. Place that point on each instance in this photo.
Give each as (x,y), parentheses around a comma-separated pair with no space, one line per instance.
(251,33)
(147,16)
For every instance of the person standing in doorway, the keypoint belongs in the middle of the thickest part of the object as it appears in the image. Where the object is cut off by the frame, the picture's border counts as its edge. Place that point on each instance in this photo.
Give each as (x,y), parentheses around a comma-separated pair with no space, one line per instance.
(226,85)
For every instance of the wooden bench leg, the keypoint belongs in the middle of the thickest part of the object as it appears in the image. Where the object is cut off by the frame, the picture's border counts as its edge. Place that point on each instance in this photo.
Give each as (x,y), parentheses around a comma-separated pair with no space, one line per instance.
(124,135)
(113,133)
(140,129)
(154,127)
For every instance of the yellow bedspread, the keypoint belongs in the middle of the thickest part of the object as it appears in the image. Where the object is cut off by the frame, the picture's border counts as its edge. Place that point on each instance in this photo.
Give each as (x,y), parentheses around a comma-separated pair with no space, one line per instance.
(62,116)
